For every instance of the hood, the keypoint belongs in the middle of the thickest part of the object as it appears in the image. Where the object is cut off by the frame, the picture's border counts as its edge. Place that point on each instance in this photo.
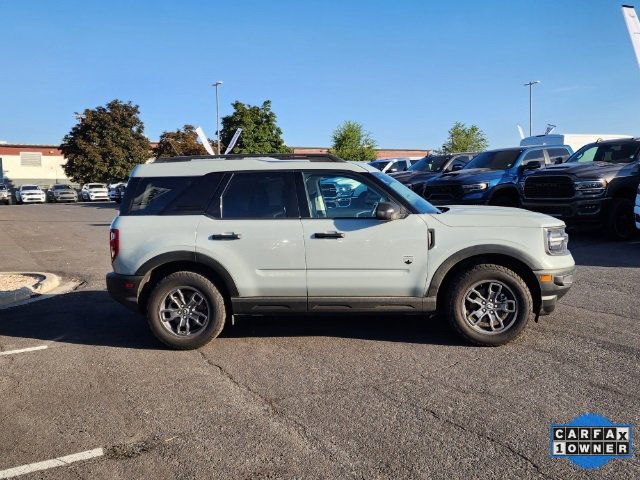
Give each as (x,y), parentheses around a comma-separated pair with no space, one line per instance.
(589,170)
(484,216)
(473,175)
(414,177)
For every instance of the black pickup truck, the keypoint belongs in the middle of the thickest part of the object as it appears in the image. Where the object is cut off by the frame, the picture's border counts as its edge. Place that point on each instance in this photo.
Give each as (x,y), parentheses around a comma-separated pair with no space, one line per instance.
(596,186)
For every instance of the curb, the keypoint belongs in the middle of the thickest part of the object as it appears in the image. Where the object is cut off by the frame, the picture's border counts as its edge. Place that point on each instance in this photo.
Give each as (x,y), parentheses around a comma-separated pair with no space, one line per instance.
(46,283)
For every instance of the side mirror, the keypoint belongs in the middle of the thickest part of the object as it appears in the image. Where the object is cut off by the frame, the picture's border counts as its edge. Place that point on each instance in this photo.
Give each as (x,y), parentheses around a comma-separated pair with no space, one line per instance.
(392,170)
(533,165)
(456,167)
(387,211)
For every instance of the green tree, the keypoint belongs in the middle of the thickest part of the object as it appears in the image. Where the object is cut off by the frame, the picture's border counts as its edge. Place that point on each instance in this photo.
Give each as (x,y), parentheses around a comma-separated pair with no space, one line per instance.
(260,132)
(465,139)
(180,142)
(352,142)
(105,144)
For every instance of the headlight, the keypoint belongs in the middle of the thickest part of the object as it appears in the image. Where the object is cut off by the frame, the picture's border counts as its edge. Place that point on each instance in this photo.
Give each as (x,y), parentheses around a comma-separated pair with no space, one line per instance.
(474,187)
(591,187)
(556,241)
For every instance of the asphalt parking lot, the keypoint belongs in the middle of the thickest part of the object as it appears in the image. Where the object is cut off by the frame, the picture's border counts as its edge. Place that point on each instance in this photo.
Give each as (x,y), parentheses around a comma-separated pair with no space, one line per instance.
(365,397)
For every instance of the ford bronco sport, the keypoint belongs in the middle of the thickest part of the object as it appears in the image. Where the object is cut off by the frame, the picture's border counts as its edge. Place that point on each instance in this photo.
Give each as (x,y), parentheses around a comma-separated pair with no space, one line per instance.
(200,239)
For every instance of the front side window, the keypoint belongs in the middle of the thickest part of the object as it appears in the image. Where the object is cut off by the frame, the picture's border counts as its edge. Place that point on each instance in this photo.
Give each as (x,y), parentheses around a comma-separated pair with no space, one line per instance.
(339,195)
(260,195)
(558,155)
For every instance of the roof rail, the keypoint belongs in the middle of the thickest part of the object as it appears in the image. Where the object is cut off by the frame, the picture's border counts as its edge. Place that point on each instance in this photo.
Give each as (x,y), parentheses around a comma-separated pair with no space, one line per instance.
(310,157)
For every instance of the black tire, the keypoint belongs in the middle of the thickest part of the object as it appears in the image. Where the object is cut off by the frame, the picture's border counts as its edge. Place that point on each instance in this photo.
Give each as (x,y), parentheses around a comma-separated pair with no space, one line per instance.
(460,306)
(620,221)
(212,305)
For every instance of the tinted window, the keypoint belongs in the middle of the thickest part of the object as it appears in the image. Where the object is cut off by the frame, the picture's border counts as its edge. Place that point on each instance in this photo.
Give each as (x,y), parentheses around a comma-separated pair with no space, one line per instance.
(260,195)
(558,154)
(495,160)
(149,196)
(607,152)
(3,187)
(195,198)
(433,163)
(379,164)
(533,156)
(61,187)
(29,187)
(336,195)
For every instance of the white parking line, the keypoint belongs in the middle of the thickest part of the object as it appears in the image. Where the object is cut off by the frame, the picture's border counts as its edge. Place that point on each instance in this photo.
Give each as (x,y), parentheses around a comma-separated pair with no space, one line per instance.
(23,350)
(47,464)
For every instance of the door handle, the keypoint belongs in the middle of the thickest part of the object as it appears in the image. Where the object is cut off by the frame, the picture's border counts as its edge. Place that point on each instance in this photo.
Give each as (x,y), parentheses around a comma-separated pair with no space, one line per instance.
(225,236)
(328,235)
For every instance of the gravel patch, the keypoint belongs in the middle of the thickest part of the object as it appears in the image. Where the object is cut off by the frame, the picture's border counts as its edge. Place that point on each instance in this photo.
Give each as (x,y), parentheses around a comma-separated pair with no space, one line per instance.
(10,282)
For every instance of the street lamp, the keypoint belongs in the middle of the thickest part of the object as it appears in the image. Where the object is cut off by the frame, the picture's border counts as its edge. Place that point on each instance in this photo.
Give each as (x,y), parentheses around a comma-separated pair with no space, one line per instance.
(217,84)
(530,84)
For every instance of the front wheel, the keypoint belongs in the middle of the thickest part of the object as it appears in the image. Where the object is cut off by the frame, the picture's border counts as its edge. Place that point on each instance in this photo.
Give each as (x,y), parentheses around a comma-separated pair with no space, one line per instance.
(621,222)
(489,305)
(186,311)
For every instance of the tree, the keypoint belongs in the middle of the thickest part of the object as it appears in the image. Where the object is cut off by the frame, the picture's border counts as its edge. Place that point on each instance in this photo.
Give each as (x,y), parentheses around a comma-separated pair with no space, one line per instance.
(465,139)
(105,144)
(260,132)
(352,142)
(181,142)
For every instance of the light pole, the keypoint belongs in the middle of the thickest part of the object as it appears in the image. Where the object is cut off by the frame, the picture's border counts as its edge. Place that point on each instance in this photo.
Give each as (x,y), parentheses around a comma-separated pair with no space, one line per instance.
(530,84)
(217,84)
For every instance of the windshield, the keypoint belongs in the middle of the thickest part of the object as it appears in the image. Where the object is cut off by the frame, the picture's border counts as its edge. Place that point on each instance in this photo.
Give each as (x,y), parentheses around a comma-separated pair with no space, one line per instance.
(430,164)
(495,160)
(29,187)
(416,201)
(379,164)
(96,185)
(61,187)
(606,152)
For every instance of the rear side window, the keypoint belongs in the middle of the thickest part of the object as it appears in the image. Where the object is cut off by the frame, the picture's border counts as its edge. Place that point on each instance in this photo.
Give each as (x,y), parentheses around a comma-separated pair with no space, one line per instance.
(260,195)
(169,195)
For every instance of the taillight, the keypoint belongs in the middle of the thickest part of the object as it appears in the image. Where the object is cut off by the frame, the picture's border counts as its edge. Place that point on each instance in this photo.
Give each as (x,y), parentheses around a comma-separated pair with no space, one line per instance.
(114,243)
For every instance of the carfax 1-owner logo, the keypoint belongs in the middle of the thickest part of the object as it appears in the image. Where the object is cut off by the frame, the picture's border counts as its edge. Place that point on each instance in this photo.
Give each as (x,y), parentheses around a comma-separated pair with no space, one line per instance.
(590,441)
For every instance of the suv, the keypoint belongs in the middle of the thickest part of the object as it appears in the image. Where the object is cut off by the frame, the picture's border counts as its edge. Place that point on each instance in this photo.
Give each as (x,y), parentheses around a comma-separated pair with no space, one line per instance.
(200,239)
(492,177)
(5,194)
(61,193)
(30,194)
(392,165)
(428,167)
(94,191)
(596,186)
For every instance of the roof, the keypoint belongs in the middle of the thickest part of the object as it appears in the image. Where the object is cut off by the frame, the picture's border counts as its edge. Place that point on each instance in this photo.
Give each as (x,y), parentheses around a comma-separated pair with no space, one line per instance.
(201,165)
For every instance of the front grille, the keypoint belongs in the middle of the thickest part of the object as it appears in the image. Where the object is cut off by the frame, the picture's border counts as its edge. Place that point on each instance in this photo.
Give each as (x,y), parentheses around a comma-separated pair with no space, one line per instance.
(443,193)
(549,186)
(554,210)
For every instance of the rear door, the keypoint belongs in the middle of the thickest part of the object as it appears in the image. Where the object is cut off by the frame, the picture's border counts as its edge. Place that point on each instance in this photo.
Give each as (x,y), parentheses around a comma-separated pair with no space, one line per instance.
(253,229)
(349,252)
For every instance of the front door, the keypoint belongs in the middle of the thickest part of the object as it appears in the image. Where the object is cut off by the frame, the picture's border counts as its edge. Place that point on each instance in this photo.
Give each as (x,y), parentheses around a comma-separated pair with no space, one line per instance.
(349,252)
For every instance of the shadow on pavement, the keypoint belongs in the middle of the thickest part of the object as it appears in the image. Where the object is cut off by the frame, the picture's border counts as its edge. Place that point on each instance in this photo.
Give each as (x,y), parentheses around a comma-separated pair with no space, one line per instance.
(110,205)
(595,251)
(93,318)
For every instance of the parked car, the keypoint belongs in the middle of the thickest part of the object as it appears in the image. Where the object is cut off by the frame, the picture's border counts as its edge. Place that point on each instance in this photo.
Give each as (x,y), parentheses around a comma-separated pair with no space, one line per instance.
(30,194)
(430,166)
(61,193)
(94,191)
(111,190)
(392,165)
(118,192)
(596,187)
(492,177)
(224,244)
(5,194)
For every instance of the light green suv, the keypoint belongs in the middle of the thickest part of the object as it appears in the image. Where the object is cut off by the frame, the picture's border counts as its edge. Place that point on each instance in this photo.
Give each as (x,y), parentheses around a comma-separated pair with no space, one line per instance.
(200,239)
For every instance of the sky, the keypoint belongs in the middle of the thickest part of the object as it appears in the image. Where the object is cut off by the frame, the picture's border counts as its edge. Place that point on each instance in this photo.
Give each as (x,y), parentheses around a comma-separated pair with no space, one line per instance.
(406,70)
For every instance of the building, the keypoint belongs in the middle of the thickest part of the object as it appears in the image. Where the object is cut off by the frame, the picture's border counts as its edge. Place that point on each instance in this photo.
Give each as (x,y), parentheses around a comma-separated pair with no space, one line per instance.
(380,153)
(37,164)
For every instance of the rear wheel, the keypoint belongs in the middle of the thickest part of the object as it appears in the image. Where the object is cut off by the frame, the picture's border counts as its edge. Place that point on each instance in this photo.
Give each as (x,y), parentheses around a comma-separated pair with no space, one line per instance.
(489,305)
(621,222)
(186,311)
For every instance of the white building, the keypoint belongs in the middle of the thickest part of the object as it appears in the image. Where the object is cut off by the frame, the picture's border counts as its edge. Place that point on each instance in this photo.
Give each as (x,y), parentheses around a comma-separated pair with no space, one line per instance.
(38,164)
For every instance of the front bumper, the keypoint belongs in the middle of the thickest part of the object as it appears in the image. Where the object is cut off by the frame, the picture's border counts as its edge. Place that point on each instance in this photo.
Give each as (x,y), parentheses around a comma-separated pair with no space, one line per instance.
(571,211)
(124,289)
(33,199)
(554,284)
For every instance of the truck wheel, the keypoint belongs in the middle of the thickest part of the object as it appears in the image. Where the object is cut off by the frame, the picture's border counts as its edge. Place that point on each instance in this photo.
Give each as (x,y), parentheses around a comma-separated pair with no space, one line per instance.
(489,305)
(186,311)
(621,222)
